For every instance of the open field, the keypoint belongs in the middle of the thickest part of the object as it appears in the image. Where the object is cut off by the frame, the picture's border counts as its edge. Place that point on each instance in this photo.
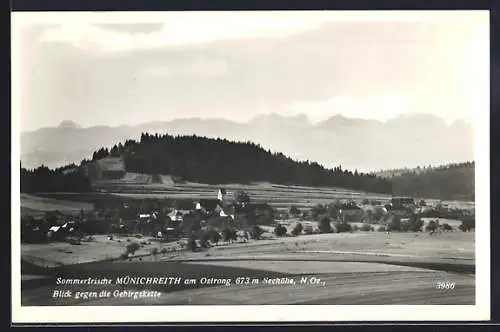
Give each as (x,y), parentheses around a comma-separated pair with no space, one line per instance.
(336,283)
(33,203)
(261,191)
(358,268)
(100,248)
(280,197)
(445,245)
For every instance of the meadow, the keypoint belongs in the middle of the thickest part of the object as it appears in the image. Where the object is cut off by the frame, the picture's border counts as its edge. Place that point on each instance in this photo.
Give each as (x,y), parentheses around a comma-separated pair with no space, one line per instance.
(357,268)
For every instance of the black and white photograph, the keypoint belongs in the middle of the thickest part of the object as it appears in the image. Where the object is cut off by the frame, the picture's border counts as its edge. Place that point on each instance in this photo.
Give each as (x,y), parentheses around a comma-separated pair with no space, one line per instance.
(251,165)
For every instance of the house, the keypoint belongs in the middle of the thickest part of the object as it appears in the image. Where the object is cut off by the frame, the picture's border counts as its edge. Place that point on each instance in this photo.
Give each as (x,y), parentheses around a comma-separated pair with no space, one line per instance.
(402,202)
(176,216)
(226,211)
(350,211)
(223,195)
(110,168)
(209,205)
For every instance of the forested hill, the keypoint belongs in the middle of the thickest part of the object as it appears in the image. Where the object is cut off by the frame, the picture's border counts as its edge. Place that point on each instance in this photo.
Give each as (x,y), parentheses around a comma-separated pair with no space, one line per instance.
(450,182)
(219,161)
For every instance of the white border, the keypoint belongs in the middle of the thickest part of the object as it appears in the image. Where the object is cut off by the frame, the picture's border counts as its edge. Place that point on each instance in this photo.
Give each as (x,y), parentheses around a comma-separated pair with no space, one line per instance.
(301,313)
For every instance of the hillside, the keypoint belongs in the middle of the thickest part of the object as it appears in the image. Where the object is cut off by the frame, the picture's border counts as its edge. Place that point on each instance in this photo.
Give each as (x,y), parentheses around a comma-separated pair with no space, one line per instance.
(453,182)
(217,161)
(354,143)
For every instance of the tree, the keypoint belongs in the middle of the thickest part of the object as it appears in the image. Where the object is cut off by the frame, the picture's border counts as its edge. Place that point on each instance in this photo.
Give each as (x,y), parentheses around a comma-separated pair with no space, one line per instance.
(342,227)
(280,230)
(241,198)
(205,238)
(256,232)
(191,244)
(366,228)
(214,236)
(324,225)
(447,227)
(468,224)
(431,226)
(395,224)
(318,210)
(416,223)
(227,235)
(234,235)
(131,248)
(294,211)
(297,230)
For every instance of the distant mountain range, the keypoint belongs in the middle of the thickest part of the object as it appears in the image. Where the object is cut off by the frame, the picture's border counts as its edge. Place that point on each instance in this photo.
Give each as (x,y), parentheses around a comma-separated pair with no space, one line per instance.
(366,145)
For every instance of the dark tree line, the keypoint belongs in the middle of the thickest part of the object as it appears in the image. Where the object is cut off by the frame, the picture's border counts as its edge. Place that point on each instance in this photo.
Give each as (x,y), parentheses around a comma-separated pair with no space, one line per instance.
(450,182)
(43,179)
(219,161)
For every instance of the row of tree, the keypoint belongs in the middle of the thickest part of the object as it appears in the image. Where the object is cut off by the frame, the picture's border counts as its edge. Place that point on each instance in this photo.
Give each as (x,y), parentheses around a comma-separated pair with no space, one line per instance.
(43,179)
(451,182)
(219,161)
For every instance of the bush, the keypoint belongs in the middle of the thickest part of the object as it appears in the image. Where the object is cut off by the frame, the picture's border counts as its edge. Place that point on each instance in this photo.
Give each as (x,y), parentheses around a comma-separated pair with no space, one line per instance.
(280,230)
(395,224)
(227,234)
(124,255)
(191,244)
(294,211)
(324,225)
(297,229)
(164,250)
(416,224)
(214,236)
(405,226)
(431,226)
(343,227)
(317,211)
(447,227)
(366,228)
(355,228)
(256,232)
(131,248)
(469,223)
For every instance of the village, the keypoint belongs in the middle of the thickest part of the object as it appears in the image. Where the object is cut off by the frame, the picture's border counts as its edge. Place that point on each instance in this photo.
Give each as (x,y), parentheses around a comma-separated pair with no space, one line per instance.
(233,217)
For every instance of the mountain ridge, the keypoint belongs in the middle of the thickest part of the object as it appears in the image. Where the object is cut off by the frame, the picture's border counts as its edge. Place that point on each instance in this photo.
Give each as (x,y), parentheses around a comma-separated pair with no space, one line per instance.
(324,141)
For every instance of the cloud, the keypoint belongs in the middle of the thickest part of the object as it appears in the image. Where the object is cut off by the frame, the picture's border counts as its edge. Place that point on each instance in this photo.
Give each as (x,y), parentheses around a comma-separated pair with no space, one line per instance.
(181,30)
(198,66)
(86,30)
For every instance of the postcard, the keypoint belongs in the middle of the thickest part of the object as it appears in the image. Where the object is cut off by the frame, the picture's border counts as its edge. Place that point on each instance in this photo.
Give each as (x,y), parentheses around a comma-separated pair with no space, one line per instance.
(250,166)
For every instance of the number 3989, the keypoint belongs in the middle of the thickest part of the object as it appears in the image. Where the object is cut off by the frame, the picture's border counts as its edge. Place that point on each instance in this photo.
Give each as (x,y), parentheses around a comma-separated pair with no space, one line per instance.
(445,285)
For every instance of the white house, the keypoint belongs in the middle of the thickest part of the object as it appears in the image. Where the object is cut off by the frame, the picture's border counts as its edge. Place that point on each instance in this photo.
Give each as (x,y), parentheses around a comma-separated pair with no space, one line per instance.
(176,215)
(222,194)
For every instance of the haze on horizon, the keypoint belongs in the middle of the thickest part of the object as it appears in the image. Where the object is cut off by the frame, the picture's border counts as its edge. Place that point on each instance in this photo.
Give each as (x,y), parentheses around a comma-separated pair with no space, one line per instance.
(116,69)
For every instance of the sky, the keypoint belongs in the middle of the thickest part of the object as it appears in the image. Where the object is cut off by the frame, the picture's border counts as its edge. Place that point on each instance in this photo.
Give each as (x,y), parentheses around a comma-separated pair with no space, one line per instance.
(131,68)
